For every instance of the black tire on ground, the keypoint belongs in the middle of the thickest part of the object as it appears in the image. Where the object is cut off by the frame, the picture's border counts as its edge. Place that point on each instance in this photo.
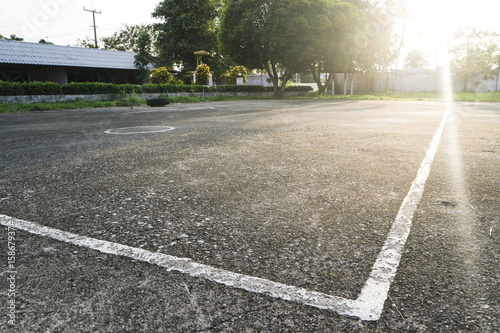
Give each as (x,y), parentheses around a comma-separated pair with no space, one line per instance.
(158,101)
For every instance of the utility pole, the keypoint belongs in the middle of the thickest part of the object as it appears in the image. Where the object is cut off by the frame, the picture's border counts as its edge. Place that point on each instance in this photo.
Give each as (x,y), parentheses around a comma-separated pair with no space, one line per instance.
(498,73)
(95,27)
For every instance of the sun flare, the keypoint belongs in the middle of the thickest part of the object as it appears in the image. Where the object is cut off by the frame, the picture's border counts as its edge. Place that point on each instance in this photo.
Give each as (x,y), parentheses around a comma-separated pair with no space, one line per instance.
(430,24)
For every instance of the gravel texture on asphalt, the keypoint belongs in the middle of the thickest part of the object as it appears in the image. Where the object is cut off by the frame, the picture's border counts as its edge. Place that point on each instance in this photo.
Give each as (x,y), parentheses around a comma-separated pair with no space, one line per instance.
(298,192)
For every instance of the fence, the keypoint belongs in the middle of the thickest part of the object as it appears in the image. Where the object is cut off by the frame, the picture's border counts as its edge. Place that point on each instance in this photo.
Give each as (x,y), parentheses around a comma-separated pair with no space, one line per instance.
(412,81)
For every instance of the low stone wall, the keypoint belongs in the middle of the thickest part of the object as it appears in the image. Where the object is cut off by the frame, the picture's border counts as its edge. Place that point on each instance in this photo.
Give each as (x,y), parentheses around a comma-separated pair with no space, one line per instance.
(105,97)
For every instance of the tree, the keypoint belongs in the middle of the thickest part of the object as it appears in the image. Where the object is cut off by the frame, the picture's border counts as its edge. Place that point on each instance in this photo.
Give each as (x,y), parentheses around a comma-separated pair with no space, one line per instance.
(473,50)
(43,41)
(335,40)
(378,43)
(14,37)
(188,26)
(143,58)
(87,42)
(268,34)
(127,38)
(415,59)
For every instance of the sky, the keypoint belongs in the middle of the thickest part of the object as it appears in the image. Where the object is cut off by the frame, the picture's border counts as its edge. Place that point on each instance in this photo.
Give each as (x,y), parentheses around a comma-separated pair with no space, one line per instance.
(64,21)
(431,22)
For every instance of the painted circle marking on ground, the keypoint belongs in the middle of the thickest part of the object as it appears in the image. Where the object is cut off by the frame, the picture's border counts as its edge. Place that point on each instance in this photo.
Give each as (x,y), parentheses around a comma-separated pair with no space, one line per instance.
(139,130)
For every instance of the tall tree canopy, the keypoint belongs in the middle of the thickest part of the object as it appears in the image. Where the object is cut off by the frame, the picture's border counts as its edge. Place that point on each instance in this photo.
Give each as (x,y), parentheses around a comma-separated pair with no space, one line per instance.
(127,38)
(188,26)
(474,50)
(335,39)
(274,35)
(415,59)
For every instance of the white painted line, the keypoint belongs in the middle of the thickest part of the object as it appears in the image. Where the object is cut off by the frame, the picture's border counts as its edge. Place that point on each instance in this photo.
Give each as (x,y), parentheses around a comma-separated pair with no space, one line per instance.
(187,266)
(374,293)
(139,130)
(369,304)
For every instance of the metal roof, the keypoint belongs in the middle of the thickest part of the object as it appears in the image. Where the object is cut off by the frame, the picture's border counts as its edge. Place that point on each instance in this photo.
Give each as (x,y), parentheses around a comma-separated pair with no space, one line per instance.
(25,53)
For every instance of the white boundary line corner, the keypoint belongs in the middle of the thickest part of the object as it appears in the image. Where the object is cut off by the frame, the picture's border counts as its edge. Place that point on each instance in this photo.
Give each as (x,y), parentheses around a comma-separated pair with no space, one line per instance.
(368,306)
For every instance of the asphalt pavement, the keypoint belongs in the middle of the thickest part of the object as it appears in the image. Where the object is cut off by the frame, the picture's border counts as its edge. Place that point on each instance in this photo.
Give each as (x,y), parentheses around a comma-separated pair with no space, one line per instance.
(282,208)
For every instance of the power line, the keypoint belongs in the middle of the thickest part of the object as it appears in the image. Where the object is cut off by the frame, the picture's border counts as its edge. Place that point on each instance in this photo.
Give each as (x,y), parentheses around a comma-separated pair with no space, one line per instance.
(95,27)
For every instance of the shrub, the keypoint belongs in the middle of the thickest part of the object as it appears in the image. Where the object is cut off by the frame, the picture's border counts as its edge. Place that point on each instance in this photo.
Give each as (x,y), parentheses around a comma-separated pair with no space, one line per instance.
(161,76)
(11,89)
(42,88)
(31,88)
(78,88)
(234,88)
(89,88)
(235,73)
(202,74)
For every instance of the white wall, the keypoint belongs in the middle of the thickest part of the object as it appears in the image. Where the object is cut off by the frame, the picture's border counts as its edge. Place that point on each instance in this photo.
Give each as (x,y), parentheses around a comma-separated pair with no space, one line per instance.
(414,80)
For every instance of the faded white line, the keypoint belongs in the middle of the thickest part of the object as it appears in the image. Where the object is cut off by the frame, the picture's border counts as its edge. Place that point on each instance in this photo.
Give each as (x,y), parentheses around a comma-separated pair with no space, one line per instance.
(139,130)
(369,304)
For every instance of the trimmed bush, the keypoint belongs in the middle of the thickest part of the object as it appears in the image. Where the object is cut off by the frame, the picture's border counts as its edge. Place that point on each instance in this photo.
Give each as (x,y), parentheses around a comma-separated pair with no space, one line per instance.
(11,89)
(235,73)
(89,88)
(32,88)
(161,76)
(202,74)
(42,88)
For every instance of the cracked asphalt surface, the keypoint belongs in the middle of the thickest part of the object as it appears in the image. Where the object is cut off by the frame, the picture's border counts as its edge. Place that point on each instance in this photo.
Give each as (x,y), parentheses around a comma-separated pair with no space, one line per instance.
(297,192)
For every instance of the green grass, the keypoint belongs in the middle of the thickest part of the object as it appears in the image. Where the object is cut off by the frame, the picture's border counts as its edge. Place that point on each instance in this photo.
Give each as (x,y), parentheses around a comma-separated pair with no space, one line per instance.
(420,96)
(478,97)
(54,106)
(134,101)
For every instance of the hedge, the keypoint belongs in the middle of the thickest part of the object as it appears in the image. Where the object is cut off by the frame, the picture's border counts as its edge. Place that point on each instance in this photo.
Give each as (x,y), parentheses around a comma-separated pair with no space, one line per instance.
(32,88)
(90,88)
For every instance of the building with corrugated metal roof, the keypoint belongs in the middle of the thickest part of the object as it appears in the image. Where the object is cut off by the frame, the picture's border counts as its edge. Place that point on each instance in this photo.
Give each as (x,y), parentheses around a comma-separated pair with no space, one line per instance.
(28,62)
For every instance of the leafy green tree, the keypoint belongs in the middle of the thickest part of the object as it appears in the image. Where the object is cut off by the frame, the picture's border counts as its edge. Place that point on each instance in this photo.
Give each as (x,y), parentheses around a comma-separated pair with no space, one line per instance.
(143,58)
(268,34)
(187,26)
(43,41)
(473,50)
(335,39)
(415,59)
(127,38)
(14,37)
(377,50)
(87,42)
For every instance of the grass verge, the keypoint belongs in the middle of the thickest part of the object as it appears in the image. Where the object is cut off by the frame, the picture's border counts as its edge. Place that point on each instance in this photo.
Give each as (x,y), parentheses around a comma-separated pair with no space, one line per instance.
(421,96)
